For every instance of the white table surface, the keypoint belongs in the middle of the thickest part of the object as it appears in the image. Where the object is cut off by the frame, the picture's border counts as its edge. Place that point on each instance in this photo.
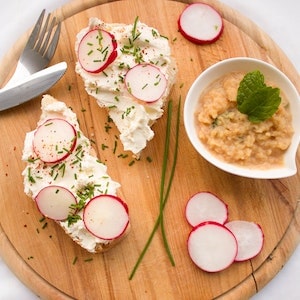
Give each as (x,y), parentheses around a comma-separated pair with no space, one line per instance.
(280,19)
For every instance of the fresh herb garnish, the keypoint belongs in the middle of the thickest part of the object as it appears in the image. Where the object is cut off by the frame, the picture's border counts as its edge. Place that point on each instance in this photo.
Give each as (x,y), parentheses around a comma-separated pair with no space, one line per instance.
(164,191)
(256,99)
(75,260)
(87,192)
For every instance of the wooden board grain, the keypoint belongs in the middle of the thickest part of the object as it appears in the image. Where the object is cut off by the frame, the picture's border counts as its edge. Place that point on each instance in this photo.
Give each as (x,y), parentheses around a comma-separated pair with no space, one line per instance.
(43,258)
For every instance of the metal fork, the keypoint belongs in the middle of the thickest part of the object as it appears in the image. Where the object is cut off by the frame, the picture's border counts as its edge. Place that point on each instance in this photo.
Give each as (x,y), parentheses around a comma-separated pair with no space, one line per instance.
(38,50)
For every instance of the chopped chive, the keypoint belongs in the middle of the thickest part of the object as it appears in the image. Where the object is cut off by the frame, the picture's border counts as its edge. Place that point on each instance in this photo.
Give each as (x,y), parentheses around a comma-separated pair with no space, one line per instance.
(105,50)
(131,163)
(88,259)
(30,178)
(103,146)
(115,147)
(75,260)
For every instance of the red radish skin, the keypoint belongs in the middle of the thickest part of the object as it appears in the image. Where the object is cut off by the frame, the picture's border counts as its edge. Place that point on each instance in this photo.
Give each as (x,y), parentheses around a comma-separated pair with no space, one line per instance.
(212,246)
(97,50)
(200,23)
(54,202)
(106,217)
(205,206)
(54,140)
(146,82)
(249,236)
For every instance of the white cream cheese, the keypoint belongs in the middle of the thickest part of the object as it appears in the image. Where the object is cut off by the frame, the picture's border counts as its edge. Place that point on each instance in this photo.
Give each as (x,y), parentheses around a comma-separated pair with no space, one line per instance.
(132,117)
(80,172)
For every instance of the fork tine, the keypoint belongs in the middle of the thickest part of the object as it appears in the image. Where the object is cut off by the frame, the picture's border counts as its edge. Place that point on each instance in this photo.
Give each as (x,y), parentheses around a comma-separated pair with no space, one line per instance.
(47,38)
(42,34)
(35,32)
(53,44)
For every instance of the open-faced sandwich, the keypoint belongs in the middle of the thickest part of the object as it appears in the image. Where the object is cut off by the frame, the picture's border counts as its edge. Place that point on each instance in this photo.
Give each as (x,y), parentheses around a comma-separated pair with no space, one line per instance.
(130,71)
(69,184)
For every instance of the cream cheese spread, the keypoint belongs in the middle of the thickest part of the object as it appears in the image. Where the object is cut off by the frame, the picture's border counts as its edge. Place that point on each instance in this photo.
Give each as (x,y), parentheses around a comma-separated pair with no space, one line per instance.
(132,117)
(80,172)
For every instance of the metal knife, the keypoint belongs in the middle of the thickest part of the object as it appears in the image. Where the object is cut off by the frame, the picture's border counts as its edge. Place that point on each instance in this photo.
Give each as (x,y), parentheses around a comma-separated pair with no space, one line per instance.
(31,86)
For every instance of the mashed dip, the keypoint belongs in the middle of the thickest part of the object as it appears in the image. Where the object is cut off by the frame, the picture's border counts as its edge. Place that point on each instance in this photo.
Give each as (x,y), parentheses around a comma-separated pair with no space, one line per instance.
(229,134)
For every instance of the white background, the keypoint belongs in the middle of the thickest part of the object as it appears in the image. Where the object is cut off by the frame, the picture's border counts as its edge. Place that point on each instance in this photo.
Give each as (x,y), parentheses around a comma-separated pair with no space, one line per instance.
(280,19)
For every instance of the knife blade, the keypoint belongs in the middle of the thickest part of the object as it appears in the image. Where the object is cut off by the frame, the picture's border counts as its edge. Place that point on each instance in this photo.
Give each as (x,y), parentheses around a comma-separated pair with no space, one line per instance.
(31,86)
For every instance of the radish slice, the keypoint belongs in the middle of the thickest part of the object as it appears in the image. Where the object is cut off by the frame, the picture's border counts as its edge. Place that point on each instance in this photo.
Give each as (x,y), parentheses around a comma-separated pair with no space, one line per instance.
(205,206)
(146,82)
(106,216)
(212,246)
(54,202)
(54,140)
(200,23)
(97,50)
(249,237)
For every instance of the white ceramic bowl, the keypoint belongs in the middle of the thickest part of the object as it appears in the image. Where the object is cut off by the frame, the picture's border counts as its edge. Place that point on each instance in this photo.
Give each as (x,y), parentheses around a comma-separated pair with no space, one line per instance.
(244,64)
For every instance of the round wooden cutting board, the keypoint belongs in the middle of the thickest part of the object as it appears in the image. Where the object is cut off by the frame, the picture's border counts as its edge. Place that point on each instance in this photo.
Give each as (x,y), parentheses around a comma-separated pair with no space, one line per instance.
(44,257)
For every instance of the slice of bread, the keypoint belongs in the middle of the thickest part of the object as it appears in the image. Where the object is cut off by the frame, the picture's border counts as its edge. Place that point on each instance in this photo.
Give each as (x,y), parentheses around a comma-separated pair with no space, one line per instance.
(134,118)
(80,172)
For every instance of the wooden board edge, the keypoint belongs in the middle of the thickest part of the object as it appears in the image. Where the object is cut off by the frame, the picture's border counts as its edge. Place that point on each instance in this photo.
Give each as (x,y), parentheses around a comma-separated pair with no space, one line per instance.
(25,273)
(272,265)
(62,13)
(279,58)
(259,36)
(281,252)
(251,285)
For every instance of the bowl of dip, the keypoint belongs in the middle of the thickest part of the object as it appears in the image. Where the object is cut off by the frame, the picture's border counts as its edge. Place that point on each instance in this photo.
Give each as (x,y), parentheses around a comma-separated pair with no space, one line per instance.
(226,138)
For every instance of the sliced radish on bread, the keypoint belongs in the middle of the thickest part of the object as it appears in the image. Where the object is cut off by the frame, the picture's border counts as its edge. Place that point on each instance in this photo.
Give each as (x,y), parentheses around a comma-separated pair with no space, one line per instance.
(97,50)
(249,237)
(212,246)
(200,23)
(146,82)
(54,140)
(55,202)
(204,206)
(106,217)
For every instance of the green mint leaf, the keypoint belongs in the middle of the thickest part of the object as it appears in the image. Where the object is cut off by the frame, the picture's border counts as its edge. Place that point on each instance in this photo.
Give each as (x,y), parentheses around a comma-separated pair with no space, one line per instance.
(255,99)
(263,104)
(251,82)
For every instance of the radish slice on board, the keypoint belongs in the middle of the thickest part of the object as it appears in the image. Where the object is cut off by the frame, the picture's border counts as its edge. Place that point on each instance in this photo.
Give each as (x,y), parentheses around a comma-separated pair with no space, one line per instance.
(106,216)
(97,50)
(249,237)
(146,82)
(212,246)
(54,202)
(200,23)
(54,140)
(205,206)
